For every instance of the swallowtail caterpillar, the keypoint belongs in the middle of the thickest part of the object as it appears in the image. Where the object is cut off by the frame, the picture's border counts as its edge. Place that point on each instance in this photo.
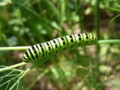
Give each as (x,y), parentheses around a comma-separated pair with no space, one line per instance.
(44,50)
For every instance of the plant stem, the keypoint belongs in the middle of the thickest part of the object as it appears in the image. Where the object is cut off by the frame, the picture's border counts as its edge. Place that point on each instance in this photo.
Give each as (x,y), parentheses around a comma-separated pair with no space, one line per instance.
(97,18)
(23,74)
(80,14)
(12,66)
(115,41)
(62,12)
(14,48)
(96,63)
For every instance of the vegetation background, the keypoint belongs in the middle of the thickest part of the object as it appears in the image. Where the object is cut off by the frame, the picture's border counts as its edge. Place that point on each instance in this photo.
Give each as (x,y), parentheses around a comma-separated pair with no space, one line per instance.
(27,22)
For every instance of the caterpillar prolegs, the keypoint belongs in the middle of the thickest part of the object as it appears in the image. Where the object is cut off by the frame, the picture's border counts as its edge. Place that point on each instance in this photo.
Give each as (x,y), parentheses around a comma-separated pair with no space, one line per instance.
(47,49)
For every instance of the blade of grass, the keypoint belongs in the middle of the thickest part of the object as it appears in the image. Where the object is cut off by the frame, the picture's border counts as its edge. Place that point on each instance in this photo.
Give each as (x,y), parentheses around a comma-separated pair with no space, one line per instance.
(79,11)
(62,11)
(52,9)
(31,12)
(114,18)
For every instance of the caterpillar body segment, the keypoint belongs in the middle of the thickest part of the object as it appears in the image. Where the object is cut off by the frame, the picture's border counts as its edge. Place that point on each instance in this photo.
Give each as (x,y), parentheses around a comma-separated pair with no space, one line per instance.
(44,50)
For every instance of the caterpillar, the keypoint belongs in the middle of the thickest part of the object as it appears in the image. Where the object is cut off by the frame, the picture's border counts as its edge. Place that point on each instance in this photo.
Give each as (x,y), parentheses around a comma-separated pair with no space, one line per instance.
(44,50)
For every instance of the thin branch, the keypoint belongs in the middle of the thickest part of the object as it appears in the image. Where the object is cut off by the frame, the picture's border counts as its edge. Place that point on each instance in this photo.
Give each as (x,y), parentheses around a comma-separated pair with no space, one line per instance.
(115,41)
(13,66)
(22,75)
(14,48)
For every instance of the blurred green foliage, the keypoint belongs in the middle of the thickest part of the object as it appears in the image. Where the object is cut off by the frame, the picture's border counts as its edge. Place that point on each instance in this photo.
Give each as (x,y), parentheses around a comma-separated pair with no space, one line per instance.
(27,22)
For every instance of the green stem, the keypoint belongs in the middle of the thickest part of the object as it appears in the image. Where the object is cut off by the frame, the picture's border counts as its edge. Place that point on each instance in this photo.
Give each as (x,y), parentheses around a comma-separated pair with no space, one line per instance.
(14,48)
(13,66)
(62,12)
(23,74)
(115,41)
(97,18)
(80,13)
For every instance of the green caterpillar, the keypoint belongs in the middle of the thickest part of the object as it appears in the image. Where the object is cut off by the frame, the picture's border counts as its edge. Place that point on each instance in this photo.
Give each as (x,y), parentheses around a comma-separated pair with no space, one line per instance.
(47,49)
